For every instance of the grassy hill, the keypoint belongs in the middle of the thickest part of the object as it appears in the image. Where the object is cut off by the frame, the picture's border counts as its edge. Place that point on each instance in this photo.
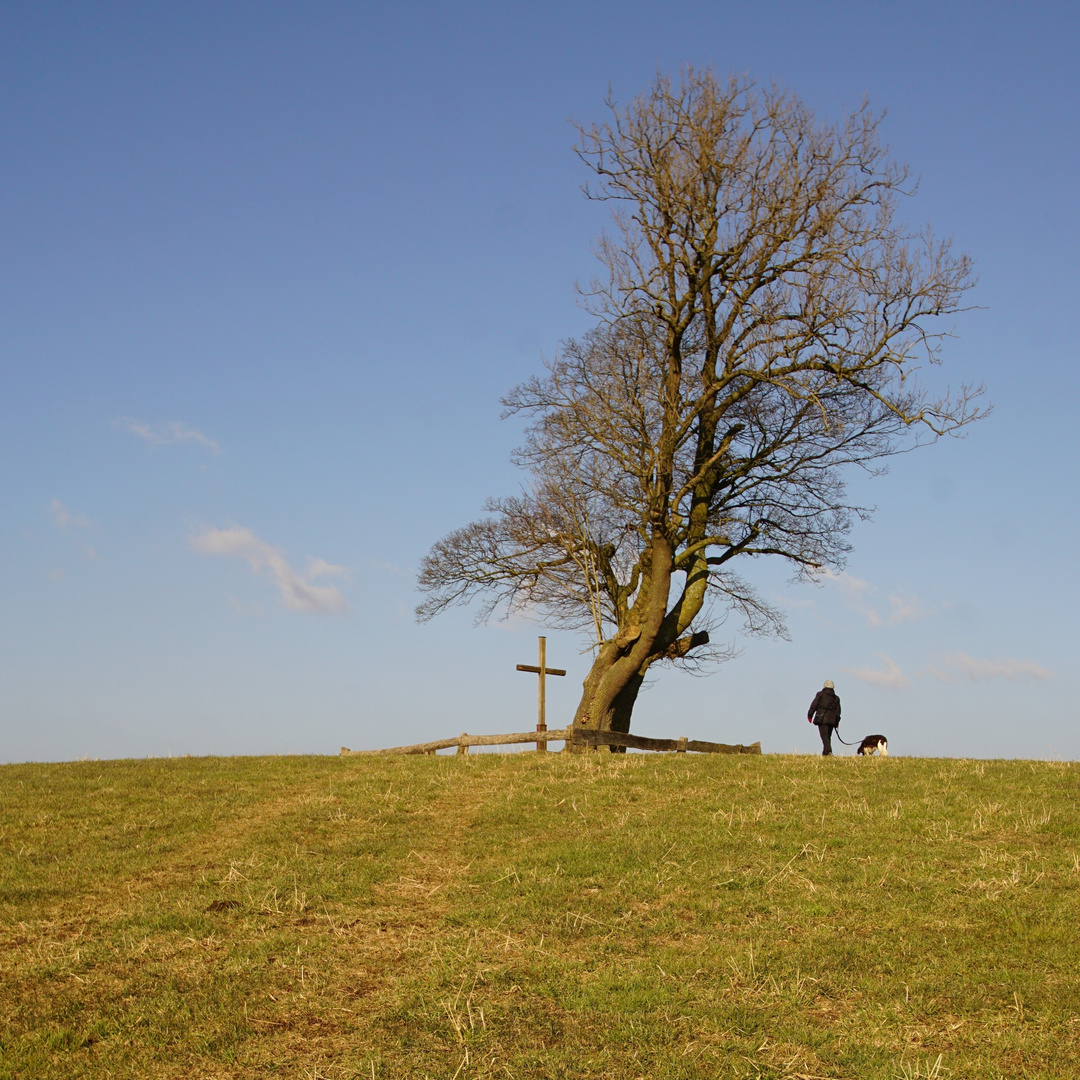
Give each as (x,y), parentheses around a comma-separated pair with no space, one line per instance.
(524,916)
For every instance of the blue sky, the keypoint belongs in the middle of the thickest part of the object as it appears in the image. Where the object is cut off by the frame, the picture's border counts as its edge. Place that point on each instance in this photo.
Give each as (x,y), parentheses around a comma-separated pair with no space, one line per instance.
(268,268)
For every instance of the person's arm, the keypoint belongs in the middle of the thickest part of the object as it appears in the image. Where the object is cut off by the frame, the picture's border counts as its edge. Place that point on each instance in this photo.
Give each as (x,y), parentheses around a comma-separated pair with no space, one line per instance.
(813,706)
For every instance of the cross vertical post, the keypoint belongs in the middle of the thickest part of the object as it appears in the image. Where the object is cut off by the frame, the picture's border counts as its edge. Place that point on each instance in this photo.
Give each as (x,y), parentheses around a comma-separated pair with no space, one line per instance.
(542,670)
(541,701)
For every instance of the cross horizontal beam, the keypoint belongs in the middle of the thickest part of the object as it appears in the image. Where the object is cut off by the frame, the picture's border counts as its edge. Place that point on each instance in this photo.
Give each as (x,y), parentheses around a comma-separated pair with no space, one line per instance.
(536,671)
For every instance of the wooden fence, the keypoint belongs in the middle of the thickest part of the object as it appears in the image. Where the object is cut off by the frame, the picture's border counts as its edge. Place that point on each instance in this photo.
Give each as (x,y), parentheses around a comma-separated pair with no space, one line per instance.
(585,737)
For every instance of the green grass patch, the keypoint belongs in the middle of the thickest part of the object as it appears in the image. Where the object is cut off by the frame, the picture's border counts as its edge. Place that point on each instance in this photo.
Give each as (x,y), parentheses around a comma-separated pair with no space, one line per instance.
(540,916)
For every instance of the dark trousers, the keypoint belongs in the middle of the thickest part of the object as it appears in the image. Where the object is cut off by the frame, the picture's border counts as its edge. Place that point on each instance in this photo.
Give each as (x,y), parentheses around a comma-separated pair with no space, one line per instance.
(826,731)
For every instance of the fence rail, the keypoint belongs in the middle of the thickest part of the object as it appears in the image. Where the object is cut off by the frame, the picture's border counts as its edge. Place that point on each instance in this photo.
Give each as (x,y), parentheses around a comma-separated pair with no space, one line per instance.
(638,742)
(572,736)
(464,741)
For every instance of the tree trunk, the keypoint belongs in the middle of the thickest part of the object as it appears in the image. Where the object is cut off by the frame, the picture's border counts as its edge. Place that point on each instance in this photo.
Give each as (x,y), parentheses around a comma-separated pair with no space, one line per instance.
(623,706)
(607,701)
(611,688)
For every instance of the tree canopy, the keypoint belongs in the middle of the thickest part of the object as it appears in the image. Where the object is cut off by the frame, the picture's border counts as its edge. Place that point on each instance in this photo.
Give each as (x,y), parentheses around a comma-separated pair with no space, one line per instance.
(760,323)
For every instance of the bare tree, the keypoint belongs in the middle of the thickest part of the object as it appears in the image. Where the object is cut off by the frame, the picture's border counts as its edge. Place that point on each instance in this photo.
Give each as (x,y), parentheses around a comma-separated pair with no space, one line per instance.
(759,327)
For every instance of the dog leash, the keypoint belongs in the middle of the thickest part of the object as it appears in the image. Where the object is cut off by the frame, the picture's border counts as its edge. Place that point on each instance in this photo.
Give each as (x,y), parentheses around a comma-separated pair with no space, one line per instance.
(836,732)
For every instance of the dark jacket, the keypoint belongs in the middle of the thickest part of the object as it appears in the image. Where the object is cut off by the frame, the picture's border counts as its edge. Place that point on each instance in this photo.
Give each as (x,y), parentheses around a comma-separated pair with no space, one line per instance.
(825,708)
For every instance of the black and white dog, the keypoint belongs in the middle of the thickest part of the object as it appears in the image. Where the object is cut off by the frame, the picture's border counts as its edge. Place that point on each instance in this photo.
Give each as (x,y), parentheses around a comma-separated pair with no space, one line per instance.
(874,744)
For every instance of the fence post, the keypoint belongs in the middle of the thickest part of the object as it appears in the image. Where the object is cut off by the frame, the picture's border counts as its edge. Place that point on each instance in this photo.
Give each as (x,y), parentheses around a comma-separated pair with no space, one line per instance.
(462,746)
(681,748)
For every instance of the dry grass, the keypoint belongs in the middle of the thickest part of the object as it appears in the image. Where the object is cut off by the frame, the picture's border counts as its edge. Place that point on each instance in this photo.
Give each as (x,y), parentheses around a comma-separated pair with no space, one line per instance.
(531,916)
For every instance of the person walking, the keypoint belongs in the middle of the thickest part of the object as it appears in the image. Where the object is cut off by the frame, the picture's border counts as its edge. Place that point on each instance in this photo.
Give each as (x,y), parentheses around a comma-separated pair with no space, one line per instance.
(825,712)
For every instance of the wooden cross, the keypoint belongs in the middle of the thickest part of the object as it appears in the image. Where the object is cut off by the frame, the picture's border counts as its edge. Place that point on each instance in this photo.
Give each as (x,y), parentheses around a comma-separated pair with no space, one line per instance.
(542,670)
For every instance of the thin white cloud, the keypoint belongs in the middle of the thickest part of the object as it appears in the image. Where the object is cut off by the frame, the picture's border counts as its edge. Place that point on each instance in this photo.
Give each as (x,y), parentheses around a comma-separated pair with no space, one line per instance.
(848,584)
(241,608)
(515,621)
(862,596)
(960,664)
(175,431)
(890,676)
(390,568)
(300,593)
(65,519)
(317,568)
(857,593)
(907,607)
